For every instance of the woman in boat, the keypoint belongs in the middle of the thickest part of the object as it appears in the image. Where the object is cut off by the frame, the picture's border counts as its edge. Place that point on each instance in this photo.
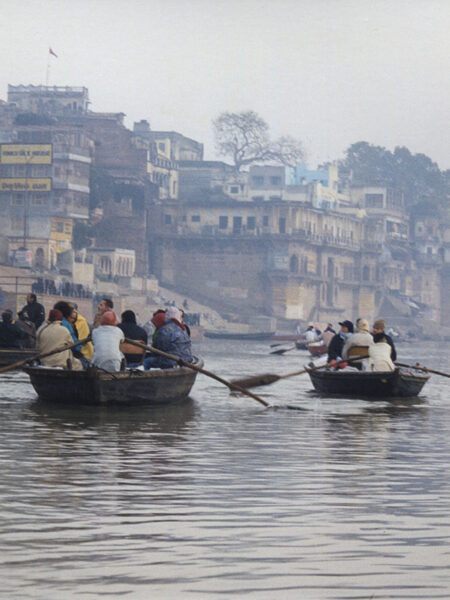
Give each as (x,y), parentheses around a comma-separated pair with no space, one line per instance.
(173,339)
(52,335)
(380,354)
(361,337)
(132,331)
(107,339)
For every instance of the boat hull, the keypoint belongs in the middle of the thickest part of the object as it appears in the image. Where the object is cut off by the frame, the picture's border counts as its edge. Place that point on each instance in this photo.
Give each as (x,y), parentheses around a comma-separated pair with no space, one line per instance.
(317,349)
(9,356)
(228,335)
(154,387)
(390,384)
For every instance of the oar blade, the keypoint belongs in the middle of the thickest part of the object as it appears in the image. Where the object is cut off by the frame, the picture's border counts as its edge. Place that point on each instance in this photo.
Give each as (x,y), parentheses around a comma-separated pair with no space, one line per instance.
(282,350)
(256,380)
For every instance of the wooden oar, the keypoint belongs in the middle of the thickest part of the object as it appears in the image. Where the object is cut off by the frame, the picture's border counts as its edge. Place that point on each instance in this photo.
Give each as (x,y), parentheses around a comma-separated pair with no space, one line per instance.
(20,363)
(425,369)
(194,367)
(268,378)
(283,350)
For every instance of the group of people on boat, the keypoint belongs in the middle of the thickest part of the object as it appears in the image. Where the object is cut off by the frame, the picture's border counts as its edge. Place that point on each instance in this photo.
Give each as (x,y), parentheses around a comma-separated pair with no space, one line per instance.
(108,350)
(380,346)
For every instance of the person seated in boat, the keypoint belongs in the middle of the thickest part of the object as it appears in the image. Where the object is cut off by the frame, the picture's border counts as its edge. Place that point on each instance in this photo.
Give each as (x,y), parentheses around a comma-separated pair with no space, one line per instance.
(52,335)
(173,339)
(361,337)
(11,336)
(105,305)
(83,331)
(310,334)
(132,331)
(328,334)
(70,316)
(107,339)
(380,354)
(379,327)
(338,340)
(158,320)
(29,328)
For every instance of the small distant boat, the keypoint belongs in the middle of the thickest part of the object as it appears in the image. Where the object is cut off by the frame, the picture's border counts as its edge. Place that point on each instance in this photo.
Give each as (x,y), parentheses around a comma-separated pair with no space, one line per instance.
(9,356)
(378,384)
(229,335)
(287,337)
(143,388)
(317,348)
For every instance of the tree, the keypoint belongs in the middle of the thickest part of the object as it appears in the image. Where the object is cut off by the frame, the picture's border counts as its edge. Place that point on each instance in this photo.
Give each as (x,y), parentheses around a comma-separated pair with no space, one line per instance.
(245,137)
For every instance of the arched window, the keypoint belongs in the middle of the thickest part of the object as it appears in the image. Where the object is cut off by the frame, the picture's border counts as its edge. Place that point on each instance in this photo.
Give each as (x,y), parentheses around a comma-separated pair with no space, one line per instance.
(39,257)
(293,264)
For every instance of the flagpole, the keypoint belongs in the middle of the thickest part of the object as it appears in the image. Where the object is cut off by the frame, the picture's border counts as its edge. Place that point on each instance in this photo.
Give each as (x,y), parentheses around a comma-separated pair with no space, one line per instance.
(47,77)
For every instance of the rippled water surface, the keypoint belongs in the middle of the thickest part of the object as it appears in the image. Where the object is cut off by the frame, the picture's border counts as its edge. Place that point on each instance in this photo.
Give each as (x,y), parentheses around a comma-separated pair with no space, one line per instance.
(218,497)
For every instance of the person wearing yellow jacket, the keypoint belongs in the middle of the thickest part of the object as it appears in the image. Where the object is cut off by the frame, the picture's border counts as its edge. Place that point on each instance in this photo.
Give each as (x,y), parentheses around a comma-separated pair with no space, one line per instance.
(82,326)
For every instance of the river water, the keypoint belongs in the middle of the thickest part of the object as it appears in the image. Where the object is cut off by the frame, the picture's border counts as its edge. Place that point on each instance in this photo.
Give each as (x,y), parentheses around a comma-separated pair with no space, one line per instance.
(218,497)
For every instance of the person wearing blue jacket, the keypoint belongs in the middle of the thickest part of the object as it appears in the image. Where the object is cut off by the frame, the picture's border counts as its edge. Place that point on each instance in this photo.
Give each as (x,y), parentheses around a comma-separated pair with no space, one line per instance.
(173,339)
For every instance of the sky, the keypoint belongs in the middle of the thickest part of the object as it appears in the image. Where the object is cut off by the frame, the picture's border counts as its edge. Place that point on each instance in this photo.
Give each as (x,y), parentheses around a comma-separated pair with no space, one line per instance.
(327,72)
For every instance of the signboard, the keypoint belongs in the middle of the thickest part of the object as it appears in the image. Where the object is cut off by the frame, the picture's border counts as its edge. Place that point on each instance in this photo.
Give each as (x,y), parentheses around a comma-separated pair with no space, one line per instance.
(25,184)
(26,154)
(22,258)
(61,230)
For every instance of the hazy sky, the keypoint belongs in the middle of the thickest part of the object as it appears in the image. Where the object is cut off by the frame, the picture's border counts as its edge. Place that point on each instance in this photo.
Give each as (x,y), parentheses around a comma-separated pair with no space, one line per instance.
(330,72)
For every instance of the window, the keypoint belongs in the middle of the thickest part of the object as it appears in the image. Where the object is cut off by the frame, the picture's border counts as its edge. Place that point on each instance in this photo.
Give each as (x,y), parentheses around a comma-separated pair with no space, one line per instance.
(251,222)
(223,222)
(293,264)
(237,224)
(195,218)
(17,199)
(39,199)
(265,221)
(374,200)
(258,180)
(258,198)
(161,146)
(234,189)
(282,225)
(167,219)
(275,180)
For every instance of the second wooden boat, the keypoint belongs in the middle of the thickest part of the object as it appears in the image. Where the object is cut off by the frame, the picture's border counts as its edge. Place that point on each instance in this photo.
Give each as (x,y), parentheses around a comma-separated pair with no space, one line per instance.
(378,384)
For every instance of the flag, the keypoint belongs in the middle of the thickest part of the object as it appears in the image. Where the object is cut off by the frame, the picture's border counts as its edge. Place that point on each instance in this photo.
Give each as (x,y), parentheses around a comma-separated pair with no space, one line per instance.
(50,51)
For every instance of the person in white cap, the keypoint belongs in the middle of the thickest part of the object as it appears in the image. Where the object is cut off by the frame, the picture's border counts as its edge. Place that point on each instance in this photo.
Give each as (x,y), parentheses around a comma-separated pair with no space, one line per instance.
(361,337)
(173,339)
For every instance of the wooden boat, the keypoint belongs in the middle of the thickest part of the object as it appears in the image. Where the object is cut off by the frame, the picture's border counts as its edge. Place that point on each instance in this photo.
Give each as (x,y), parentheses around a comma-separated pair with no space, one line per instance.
(317,349)
(8,356)
(154,387)
(287,337)
(378,384)
(229,335)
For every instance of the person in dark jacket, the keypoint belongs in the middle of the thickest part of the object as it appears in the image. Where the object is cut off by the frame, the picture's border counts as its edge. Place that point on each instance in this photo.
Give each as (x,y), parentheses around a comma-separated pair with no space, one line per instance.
(132,331)
(338,341)
(379,327)
(173,339)
(11,336)
(33,311)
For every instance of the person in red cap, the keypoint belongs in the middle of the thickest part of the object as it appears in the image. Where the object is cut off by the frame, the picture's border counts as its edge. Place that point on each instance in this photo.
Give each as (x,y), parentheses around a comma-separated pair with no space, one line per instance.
(107,339)
(52,335)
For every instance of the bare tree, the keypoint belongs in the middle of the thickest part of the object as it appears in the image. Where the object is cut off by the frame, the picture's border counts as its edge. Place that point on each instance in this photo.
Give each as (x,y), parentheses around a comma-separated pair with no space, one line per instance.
(245,137)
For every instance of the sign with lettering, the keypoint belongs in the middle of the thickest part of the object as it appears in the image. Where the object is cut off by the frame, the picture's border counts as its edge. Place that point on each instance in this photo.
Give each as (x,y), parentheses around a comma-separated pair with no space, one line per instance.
(26,154)
(25,184)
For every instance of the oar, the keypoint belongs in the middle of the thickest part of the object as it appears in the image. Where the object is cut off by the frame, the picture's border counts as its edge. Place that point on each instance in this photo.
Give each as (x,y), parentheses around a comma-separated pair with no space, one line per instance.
(184,363)
(425,369)
(20,363)
(268,378)
(283,350)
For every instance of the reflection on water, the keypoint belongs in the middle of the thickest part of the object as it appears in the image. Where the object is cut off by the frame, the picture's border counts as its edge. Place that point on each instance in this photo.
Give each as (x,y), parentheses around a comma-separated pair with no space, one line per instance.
(218,497)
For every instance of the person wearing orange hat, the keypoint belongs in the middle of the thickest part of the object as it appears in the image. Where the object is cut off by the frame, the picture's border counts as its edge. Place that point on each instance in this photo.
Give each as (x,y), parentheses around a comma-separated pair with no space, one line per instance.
(107,339)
